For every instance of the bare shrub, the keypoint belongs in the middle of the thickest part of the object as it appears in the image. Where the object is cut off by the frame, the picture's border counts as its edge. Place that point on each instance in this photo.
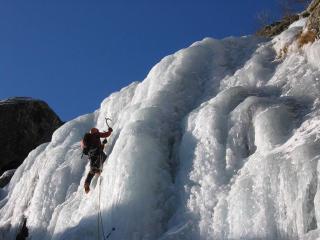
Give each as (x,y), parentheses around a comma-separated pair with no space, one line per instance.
(290,7)
(306,37)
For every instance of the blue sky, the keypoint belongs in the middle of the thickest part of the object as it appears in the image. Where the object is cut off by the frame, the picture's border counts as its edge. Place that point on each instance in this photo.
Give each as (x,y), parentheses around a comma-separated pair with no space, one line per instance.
(73,54)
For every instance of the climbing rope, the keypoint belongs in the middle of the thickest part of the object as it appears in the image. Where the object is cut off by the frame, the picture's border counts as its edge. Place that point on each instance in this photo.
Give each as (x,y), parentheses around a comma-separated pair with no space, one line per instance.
(100,222)
(99,217)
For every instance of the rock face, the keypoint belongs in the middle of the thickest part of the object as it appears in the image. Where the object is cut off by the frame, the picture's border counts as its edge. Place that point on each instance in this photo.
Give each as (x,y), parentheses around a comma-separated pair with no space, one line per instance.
(277,27)
(313,23)
(25,123)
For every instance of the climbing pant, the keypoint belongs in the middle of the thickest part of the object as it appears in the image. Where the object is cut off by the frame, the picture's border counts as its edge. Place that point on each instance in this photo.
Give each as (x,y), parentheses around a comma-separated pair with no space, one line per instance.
(96,161)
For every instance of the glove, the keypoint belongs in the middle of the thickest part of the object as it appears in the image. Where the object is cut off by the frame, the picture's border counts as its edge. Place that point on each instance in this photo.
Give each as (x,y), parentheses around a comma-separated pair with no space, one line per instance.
(110,129)
(104,141)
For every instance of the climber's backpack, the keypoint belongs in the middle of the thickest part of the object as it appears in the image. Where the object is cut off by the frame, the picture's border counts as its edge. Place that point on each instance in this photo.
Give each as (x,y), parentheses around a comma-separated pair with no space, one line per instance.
(86,143)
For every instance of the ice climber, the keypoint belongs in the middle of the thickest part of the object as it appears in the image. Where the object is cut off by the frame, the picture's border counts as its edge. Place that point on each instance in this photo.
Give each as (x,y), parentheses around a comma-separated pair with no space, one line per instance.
(92,146)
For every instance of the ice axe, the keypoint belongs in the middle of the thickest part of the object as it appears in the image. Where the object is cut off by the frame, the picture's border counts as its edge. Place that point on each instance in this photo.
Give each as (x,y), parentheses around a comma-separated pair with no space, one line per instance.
(108,119)
(109,234)
(105,140)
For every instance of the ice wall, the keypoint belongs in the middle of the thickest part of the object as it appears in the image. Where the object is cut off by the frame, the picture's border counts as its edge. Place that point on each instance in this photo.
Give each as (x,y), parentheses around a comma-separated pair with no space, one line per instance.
(220,141)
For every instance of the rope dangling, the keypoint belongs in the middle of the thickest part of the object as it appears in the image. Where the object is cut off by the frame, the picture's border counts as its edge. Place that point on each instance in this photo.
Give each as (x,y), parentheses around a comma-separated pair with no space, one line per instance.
(100,222)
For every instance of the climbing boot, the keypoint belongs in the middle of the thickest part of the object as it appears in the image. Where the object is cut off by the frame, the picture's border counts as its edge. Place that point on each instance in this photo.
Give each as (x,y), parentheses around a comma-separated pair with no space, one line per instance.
(86,187)
(98,172)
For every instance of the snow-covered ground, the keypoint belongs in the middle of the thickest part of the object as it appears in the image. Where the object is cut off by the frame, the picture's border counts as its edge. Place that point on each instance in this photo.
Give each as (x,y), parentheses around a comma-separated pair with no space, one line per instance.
(220,141)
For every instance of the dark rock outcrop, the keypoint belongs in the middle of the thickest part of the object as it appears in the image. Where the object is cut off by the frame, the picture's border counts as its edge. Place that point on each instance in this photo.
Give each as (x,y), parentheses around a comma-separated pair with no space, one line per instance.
(277,27)
(313,23)
(25,123)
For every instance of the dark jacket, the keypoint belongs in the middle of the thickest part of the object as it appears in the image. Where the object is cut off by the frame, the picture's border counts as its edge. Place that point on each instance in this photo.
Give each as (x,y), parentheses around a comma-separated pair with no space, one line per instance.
(92,140)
